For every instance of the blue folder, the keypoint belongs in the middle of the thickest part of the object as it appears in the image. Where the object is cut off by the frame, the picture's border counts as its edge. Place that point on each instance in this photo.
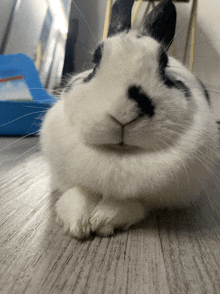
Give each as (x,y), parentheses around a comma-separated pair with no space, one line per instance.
(23,100)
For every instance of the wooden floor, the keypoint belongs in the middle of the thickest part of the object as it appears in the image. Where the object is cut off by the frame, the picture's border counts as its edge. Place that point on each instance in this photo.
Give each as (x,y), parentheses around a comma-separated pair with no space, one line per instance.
(174,252)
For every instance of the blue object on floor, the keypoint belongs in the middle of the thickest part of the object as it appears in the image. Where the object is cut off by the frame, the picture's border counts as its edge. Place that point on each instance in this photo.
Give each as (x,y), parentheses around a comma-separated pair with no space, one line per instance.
(23,100)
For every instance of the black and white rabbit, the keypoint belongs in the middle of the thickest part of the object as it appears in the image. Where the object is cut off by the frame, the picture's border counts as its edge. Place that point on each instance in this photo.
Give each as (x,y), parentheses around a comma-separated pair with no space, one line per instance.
(134,133)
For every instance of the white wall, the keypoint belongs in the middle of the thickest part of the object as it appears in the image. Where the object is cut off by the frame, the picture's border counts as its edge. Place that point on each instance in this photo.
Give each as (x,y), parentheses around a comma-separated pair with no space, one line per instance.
(23,38)
(5,10)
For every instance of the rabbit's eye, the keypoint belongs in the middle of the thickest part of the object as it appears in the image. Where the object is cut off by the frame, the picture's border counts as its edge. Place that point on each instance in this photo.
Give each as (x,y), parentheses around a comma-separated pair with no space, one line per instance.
(96,59)
(98,54)
(170,82)
(163,61)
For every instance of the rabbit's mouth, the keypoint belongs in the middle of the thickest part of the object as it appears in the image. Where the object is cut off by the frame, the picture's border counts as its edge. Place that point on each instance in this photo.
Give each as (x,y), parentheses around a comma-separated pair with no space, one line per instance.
(121,144)
(121,147)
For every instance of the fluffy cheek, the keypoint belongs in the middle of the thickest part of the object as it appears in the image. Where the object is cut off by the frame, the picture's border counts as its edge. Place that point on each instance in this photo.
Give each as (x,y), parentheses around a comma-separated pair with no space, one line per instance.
(91,121)
(100,131)
(135,133)
(149,136)
(159,132)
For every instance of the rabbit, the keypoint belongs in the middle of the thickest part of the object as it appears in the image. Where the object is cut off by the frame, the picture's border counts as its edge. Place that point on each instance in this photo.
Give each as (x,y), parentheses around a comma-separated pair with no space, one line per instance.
(132,134)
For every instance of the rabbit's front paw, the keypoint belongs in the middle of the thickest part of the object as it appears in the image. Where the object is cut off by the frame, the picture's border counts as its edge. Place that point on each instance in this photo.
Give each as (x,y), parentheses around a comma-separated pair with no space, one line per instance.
(111,214)
(79,229)
(73,212)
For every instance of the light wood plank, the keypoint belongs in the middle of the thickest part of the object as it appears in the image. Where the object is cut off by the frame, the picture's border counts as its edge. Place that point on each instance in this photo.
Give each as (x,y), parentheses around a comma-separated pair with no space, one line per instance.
(191,245)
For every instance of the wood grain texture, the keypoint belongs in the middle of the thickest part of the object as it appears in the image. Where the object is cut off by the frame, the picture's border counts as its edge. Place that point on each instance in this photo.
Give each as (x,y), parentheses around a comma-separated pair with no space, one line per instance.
(171,252)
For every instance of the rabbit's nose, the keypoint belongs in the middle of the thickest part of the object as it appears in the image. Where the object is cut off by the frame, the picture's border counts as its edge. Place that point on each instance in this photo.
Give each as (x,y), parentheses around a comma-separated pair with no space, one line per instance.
(123,120)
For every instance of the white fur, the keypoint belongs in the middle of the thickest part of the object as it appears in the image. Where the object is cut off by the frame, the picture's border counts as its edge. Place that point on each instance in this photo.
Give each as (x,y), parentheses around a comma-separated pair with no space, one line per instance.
(167,156)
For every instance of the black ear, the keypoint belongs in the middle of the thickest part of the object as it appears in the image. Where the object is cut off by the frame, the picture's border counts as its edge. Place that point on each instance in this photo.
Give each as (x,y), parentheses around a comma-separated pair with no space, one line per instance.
(121,16)
(161,23)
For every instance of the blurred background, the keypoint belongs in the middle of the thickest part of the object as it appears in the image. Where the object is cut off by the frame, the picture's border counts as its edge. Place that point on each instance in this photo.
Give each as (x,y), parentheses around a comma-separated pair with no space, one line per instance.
(60,36)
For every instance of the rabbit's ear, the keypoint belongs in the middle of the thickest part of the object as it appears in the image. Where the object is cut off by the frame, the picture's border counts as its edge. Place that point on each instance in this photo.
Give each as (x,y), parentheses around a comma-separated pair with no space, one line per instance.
(160,23)
(120,17)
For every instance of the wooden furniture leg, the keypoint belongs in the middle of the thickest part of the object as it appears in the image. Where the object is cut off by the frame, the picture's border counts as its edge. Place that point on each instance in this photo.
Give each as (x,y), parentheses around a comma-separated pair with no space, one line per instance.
(107,18)
(135,14)
(193,40)
(191,28)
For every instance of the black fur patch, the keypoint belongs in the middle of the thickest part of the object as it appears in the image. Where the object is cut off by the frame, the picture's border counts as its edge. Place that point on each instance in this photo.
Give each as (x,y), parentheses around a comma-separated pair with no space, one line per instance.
(160,23)
(89,77)
(70,85)
(163,61)
(143,101)
(97,56)
(170,82)
(181,86)
(206,93)
(120,17)
(139,36)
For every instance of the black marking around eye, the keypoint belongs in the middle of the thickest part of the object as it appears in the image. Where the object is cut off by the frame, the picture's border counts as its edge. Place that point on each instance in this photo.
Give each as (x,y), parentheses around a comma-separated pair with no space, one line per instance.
(163,62)
(181,86)
(170,82)
(89,77)
(206,93)
(97,56)
(71,84)
(144,102)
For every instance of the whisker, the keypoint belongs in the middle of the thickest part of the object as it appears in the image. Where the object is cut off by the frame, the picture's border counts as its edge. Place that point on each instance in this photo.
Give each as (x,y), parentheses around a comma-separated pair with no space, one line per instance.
(206,133)
(173,175)
(209,158)
(85,21)
(198,43)
(208,89)
(182,29)
(205,145)
(211,169)
(35,147)
(21,117)
(29,106)
(213,163)
(159,149)
(30,134)
(91,51)
(184,164)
